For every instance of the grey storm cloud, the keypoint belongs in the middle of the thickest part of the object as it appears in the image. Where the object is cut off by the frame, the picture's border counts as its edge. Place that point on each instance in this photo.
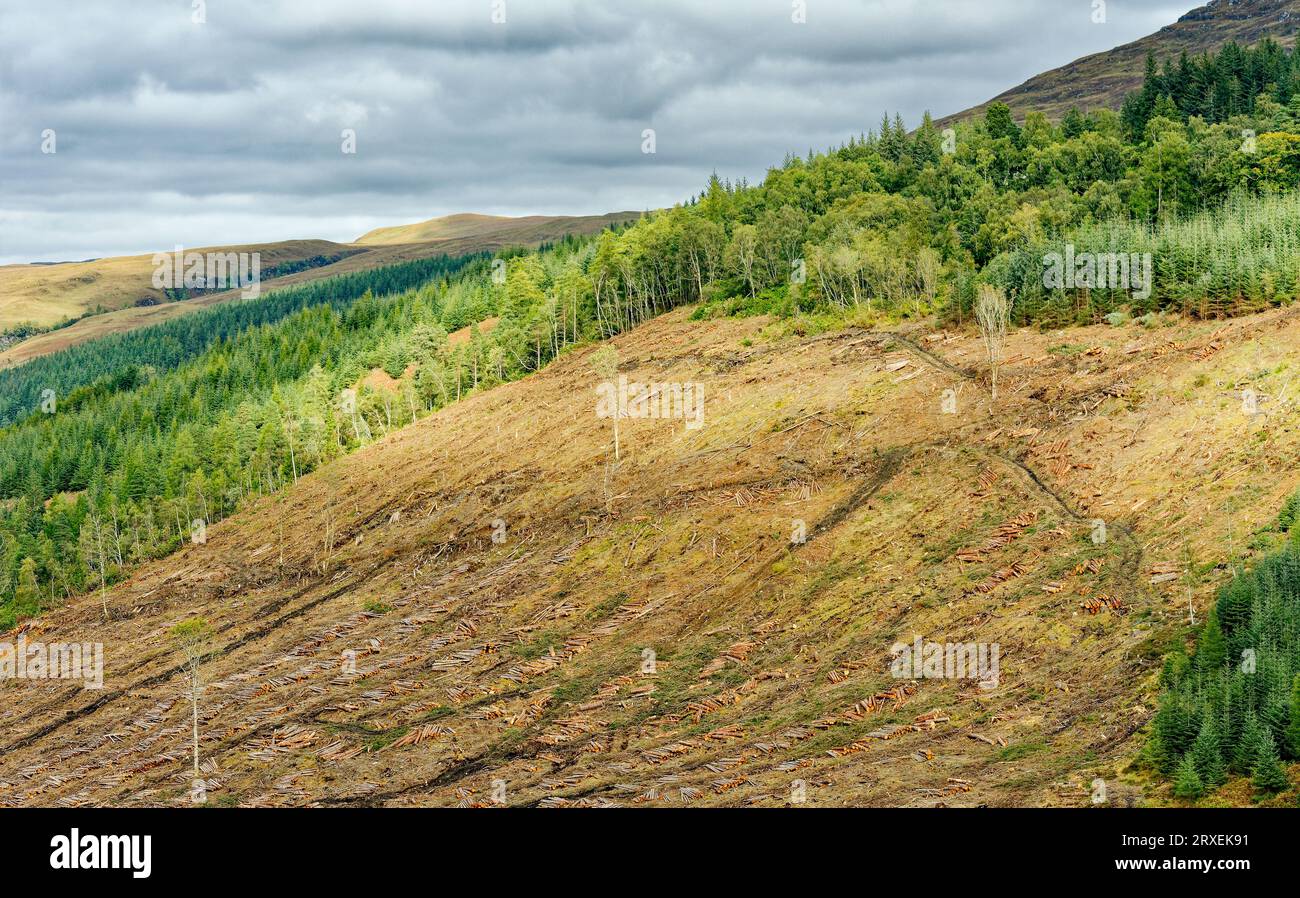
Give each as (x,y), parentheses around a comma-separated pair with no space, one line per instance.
(229,130)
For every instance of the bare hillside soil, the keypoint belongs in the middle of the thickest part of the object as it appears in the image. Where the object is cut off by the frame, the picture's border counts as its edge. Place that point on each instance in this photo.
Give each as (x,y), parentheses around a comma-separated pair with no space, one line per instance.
(534,623)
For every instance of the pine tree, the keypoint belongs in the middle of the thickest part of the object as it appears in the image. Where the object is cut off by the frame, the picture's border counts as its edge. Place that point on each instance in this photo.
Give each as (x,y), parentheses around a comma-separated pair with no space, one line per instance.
(1073,124)
(1212,650)
(1250,745)
(1269,775)
(1187,783)
(1207,754)
(1292,746)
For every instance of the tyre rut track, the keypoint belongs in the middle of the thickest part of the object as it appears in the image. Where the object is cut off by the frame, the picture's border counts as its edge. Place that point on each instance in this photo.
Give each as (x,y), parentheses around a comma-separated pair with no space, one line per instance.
(1132,563)
(521,746)
(500,752)
(890,462)
(165,675)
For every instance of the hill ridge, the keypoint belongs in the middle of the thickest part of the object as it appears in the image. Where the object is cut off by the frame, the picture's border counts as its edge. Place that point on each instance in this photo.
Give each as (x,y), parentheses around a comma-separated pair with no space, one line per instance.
(1101,80)
(465,224)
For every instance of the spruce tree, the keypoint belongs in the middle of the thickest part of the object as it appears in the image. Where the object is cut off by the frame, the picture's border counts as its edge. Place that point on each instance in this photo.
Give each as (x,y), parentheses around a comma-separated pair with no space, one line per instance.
(1207,754)
(999,123)
(1187,783)
(1250,744)
(1176,667)
(1212,650)
(1073,124)
(1269,775)
(1291,748)
(926,148)
(1236,709)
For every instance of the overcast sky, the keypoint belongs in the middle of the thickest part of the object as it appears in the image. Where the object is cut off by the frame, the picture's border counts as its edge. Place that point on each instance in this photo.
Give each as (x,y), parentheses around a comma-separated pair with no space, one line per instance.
(229,130)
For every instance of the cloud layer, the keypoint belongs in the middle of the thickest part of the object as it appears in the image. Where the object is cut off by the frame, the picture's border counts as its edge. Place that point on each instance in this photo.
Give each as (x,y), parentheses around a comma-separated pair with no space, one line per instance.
(227,130)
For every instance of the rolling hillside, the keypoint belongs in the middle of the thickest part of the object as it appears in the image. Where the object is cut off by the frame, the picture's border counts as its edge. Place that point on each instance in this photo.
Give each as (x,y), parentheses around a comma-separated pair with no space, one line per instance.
(47,294)
(44,294)
(534,623)
(494,230)
(1102,79)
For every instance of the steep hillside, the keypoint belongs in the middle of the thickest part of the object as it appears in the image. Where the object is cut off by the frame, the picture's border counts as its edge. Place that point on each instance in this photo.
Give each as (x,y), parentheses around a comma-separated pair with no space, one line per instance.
(1102,79)
(536,623)
(47,294)
(530,230)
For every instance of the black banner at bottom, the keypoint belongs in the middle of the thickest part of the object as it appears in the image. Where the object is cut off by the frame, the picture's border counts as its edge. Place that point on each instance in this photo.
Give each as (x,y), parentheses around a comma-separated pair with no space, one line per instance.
(142,849)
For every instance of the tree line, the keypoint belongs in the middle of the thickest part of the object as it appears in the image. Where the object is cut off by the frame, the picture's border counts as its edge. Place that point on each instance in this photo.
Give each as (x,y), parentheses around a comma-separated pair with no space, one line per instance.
(130,466)
(1216,86)
(912,224)
(164,346)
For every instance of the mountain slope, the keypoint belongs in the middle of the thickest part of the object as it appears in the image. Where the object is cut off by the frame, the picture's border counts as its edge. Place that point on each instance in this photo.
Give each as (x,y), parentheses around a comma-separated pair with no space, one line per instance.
(518,666)
(1103,79)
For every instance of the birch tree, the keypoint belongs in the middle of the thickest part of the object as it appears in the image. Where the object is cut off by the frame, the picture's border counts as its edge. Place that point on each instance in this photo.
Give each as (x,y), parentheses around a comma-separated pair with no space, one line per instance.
(605,363)
(992,312)
(192,636)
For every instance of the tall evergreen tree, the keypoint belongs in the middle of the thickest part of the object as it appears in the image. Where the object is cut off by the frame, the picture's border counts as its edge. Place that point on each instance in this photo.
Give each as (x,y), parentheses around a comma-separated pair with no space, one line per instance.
(1211,651)
(1292,745)
(1207,754)
(1269,776)
(1187,782)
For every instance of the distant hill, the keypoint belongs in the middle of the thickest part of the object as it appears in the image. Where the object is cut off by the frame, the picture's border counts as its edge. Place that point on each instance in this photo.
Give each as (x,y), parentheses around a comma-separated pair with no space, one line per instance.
(530,230)
(1103,79)
(46,294)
